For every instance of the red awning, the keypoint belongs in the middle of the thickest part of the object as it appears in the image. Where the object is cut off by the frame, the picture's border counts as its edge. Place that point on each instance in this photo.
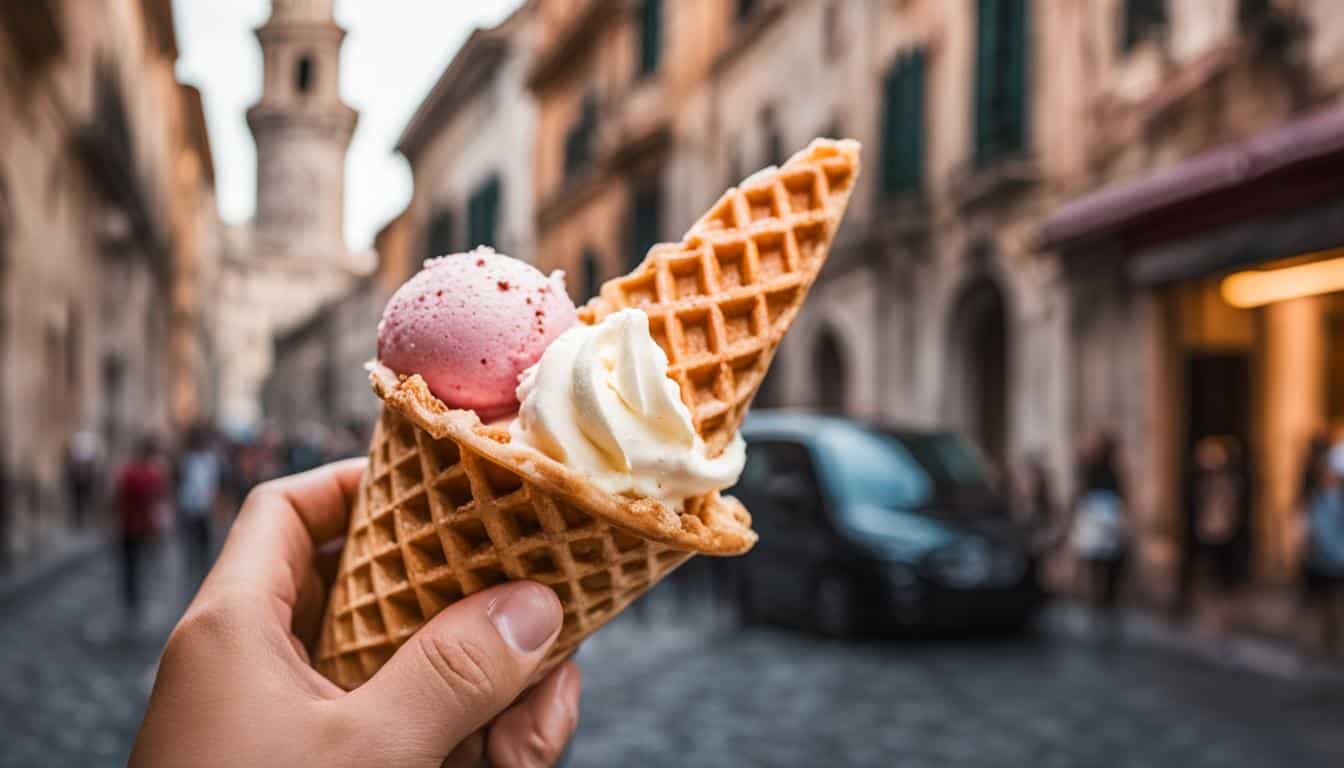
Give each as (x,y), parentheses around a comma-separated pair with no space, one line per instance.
(1289,166)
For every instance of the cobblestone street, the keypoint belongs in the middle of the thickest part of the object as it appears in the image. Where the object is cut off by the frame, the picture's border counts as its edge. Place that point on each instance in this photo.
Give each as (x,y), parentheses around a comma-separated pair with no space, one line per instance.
(699,693)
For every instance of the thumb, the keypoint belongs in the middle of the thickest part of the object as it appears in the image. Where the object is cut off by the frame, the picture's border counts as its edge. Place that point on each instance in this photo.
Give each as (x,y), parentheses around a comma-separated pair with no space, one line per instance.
(460,670)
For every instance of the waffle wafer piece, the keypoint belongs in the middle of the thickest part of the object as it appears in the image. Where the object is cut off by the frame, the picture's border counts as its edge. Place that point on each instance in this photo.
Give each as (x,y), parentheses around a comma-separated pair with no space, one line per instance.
(720,301)
(450,506)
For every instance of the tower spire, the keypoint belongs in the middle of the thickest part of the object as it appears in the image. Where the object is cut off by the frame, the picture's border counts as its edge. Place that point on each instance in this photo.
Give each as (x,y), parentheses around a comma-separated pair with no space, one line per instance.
(302,130)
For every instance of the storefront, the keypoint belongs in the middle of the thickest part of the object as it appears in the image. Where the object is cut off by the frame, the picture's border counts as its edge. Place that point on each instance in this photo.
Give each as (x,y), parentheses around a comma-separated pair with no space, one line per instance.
(1209,310)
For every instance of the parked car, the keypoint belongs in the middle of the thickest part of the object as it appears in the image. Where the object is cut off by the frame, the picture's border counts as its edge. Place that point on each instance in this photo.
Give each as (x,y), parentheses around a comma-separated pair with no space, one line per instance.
(871,528)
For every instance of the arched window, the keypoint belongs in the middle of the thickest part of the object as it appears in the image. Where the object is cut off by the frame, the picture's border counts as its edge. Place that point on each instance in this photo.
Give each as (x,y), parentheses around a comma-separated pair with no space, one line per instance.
(303,74)
(828,361)
(591,274)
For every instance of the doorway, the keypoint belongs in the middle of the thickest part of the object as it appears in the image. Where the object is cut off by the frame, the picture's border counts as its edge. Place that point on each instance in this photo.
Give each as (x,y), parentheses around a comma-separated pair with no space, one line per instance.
(978,368)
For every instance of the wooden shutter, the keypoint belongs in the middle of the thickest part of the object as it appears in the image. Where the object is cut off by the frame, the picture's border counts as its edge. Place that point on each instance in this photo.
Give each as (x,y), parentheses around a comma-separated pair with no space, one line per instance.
(483,214)
(650,36)
(1016,54)
(903,125)
(986,57)
(440,237)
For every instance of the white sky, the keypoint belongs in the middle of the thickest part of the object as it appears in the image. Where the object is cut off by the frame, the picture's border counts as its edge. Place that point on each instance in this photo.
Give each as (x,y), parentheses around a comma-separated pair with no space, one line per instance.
(393,53)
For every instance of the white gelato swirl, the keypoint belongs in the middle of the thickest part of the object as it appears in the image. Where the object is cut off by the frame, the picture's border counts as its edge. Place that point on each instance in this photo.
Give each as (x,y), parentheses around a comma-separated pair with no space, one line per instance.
(600,401)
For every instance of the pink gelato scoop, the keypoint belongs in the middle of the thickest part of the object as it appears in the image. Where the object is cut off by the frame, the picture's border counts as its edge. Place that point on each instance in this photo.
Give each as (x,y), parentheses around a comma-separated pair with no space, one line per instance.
(470,323)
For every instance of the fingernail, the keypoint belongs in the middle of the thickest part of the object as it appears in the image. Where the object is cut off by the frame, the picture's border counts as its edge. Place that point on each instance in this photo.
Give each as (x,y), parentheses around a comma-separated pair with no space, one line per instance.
(526,615)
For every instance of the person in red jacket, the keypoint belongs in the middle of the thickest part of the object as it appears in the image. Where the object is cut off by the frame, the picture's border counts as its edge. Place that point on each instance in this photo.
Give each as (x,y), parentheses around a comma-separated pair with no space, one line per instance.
(141,487)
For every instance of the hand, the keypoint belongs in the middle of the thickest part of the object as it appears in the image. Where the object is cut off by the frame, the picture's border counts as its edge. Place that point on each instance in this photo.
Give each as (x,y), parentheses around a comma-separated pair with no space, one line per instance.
(235,686)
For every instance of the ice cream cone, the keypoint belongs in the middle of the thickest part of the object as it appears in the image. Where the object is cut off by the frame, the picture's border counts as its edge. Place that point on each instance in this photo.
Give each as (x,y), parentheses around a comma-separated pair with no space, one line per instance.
(450,506)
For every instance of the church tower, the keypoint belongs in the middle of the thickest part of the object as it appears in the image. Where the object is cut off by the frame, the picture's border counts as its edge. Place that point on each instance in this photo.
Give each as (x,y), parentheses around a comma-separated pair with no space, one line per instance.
(302,130)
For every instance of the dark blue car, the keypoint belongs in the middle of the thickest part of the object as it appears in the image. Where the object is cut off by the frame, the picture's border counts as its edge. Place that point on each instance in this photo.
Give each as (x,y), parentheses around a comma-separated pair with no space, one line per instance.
(870,528)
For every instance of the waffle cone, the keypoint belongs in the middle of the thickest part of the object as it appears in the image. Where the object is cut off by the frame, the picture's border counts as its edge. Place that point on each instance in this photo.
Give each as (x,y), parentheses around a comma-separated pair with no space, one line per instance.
(449,506)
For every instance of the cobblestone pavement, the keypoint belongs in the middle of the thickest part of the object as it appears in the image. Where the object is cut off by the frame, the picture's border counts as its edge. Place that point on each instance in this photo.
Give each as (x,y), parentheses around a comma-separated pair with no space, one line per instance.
(679,686)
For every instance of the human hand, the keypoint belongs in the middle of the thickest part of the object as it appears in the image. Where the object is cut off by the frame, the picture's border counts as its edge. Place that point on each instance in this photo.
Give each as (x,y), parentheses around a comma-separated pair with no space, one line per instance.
(235,686)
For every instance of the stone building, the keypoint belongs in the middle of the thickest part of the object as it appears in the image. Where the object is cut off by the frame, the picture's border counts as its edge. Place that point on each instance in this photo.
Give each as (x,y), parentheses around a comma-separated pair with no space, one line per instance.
(611,80)
(1054,191)
(292,257)
(318,382)
(470,147)
(106,228)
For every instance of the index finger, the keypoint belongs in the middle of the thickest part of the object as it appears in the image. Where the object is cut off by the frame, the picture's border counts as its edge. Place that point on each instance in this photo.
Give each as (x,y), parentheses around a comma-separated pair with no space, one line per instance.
(271,545)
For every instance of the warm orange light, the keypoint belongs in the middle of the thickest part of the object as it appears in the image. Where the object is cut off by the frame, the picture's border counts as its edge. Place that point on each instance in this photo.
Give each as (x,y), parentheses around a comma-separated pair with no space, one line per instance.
(1259,287)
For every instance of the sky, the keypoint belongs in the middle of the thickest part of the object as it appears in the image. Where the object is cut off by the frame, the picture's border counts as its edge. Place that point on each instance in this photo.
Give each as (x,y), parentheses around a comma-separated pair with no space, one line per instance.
(393,53)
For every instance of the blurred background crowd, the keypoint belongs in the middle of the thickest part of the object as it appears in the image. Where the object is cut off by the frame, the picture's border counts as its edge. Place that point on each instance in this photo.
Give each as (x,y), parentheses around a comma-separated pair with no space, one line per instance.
(1081,336)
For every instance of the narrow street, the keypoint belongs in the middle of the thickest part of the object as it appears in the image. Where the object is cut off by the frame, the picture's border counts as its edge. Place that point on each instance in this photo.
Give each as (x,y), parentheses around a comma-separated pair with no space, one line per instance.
(700,693)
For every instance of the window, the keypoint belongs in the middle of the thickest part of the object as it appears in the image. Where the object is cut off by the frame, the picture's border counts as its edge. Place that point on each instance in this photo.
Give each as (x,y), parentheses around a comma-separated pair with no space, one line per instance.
(1142,19)
(592,274)
(579,140)
(483,214)
(828,362)
(645,223)
(1000,80)
(650,36)
(780,480)
(774,140)
(440,239)
(303,74)
(745,8)
(903,125)
(1251,11)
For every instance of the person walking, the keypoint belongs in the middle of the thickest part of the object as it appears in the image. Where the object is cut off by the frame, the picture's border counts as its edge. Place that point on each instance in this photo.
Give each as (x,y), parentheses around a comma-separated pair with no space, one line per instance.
(82,463)
(140,490)
(1101,527)
(199,474)
(1323,558)
(1218,550)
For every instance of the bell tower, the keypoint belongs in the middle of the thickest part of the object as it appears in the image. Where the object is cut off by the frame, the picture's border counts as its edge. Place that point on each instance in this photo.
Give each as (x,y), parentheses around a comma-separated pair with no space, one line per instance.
(302,130)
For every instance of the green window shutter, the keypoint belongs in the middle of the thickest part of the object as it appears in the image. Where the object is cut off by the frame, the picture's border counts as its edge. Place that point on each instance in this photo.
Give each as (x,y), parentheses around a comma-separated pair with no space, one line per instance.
(483,214)
(650,36)
(592,274)
(903,125)
(645,213)
(440,237)
(1001,98)
(985,60)
(914,122)
(891,101)
(1141,17)
(1016,52)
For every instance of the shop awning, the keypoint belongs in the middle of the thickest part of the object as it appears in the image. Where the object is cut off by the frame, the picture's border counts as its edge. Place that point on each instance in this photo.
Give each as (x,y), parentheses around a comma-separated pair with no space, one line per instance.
(1295,165)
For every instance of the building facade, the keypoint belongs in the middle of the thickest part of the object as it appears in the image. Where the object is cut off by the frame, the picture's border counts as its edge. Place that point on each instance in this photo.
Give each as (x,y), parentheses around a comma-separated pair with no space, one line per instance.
(292,257)
(974,285)
(611,80)
(470,147)
(106,225)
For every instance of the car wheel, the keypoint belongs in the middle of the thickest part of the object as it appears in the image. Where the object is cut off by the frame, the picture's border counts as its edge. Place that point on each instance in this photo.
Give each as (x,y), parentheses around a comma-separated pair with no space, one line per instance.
(833,606)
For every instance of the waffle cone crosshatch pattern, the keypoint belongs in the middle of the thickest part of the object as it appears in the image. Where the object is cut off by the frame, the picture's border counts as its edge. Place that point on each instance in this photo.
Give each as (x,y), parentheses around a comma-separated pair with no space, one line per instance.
(449,507)
(434,523)
(720,301)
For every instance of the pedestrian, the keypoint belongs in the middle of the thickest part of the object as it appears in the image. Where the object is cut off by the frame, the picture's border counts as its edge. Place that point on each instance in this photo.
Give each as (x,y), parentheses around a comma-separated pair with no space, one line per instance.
(199,473)
(1101,527)
(82,466)
(1323,558)
(1036,506)
(139,495)
(1217,554)
(235,685)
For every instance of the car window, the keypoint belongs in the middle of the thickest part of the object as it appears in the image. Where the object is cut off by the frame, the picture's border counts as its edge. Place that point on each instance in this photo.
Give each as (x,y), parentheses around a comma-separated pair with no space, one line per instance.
(780,482)
(870,467)
(950,460)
